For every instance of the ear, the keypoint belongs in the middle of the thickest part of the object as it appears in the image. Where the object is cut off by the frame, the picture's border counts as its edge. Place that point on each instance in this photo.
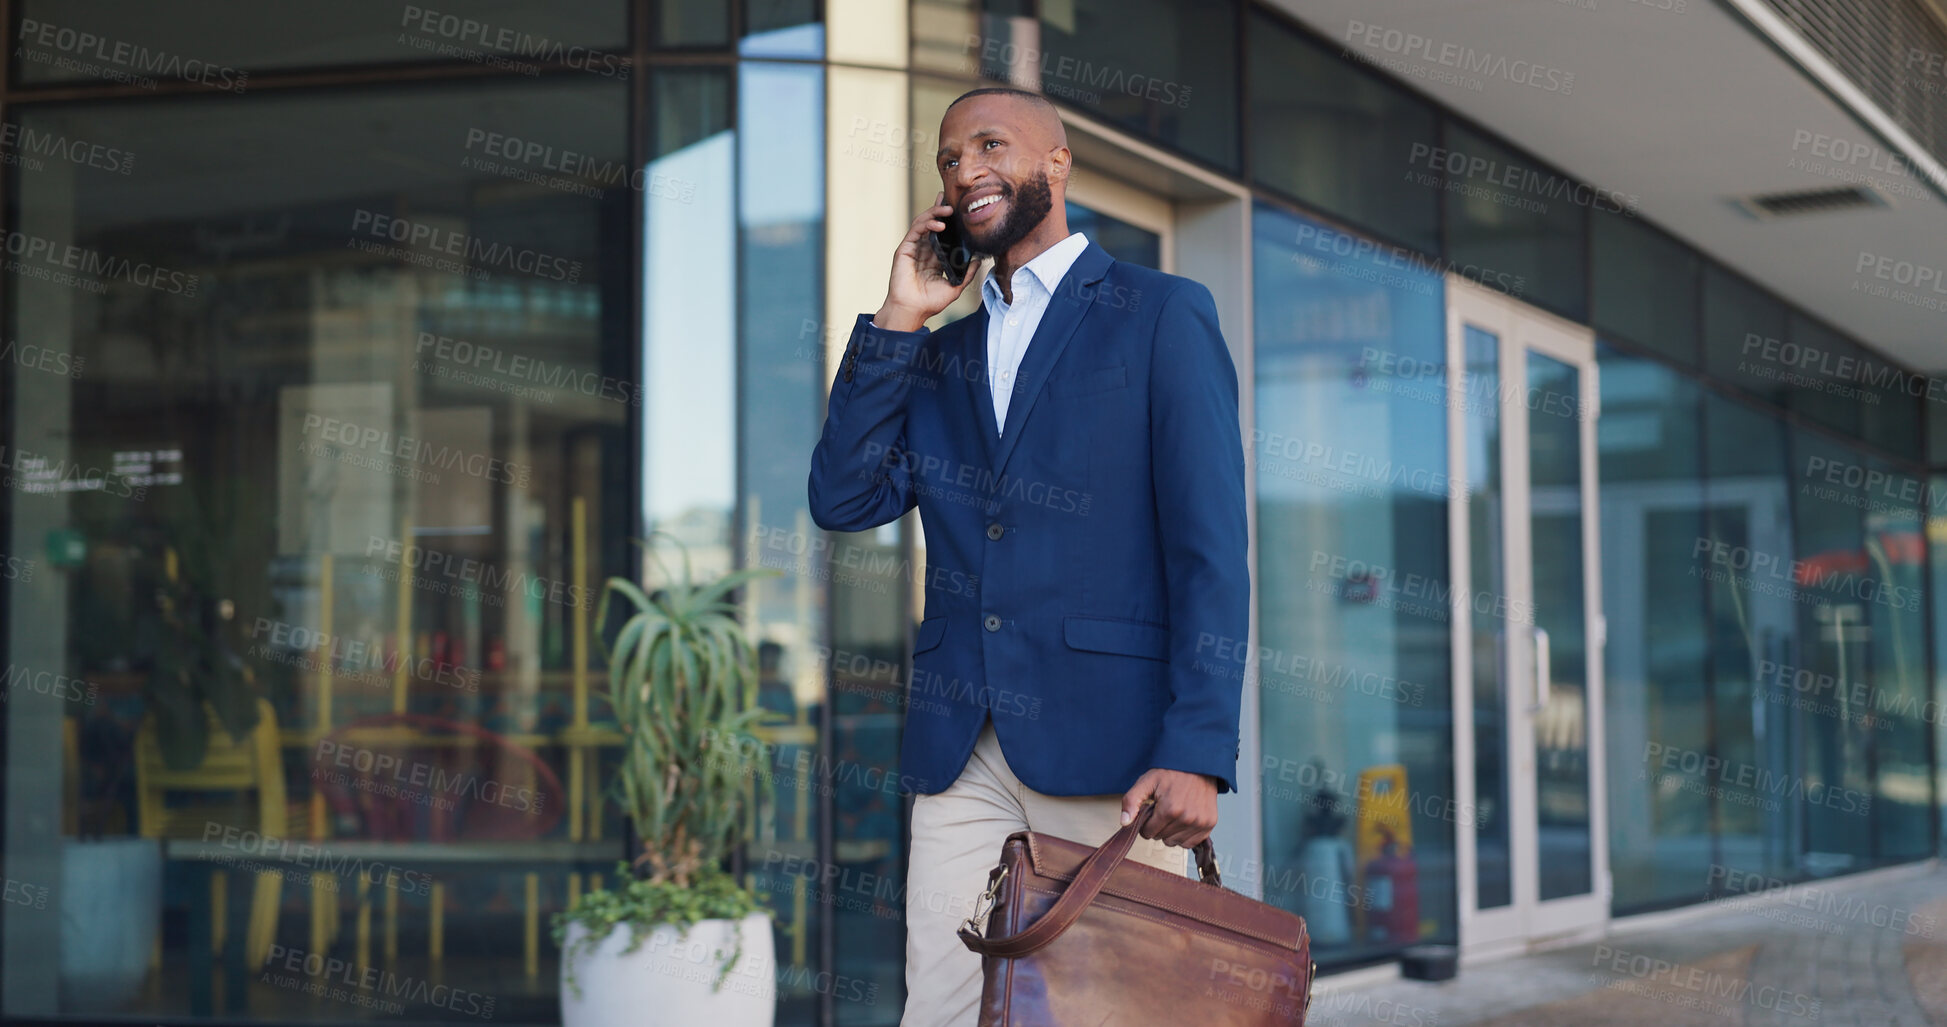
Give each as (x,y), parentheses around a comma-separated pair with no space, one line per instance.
(1060,163)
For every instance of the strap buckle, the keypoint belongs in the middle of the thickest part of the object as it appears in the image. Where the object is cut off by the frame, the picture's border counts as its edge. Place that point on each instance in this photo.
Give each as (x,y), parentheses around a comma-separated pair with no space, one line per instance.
(984,905)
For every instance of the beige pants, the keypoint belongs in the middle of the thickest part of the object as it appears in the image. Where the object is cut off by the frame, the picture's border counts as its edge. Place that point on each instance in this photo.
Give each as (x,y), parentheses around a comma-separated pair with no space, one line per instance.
(957,838)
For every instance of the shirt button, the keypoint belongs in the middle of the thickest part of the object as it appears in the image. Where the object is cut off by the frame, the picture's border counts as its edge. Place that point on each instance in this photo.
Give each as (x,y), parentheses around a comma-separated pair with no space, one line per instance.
(992,623)
(1013,320)
(995,531)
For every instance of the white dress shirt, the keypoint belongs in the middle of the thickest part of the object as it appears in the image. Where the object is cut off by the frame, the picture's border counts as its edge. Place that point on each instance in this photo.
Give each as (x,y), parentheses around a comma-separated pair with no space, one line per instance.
(1010,326)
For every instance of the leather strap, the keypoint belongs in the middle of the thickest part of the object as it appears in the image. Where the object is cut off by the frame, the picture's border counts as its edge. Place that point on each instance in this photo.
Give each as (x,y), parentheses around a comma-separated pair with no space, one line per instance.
(1090,878)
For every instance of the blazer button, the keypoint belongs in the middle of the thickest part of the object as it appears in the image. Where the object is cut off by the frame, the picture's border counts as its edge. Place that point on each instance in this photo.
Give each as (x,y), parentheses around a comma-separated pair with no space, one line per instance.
(995,531)
(992,623)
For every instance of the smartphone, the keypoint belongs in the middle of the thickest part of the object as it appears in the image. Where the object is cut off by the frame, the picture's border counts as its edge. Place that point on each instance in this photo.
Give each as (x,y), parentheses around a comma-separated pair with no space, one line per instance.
(950,246)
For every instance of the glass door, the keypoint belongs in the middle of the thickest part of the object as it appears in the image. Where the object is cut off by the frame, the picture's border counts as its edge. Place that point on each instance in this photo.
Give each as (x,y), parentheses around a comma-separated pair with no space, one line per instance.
(1528,628)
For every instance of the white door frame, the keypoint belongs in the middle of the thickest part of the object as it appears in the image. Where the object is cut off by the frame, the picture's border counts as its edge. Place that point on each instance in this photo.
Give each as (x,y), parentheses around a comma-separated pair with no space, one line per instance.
(1527,921)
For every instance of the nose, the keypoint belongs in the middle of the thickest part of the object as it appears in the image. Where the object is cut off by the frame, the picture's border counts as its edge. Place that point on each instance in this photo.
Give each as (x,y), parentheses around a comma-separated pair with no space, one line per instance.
(968,175)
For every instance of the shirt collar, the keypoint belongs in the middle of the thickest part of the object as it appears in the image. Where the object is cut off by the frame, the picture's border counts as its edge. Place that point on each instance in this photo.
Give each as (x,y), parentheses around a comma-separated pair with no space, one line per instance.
(1049,267)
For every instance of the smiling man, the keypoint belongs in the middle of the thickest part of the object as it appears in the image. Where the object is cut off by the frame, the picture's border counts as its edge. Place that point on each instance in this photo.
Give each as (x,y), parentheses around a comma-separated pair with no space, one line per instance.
(1074,450)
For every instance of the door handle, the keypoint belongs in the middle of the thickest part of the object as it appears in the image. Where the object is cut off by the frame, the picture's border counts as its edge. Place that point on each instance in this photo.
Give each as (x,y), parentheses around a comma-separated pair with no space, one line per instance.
(1541,670)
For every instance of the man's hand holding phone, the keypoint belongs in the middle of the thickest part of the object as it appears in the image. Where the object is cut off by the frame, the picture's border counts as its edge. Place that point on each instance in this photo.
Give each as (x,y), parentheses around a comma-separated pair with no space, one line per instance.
(919,288)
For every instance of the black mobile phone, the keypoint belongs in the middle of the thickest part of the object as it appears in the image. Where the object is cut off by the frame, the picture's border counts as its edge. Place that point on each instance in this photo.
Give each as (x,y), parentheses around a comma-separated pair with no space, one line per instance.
(950,246)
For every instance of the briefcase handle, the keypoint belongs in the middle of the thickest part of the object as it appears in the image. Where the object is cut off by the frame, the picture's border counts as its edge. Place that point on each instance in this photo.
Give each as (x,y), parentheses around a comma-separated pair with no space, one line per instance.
(1090,878)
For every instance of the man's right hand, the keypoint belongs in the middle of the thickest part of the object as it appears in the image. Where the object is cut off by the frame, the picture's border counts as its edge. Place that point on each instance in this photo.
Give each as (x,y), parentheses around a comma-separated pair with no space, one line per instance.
(918,288)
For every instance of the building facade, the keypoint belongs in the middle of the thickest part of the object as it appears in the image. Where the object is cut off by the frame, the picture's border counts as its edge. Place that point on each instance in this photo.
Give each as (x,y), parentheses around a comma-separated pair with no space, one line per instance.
(348,347)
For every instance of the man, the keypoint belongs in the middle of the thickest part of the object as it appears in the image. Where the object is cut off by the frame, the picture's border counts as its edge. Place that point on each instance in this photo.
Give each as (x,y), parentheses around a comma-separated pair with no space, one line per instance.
(1074,450)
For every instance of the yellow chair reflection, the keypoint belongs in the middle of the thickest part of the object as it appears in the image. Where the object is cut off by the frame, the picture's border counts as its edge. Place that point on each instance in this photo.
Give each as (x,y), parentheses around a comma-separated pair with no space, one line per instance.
(251,765)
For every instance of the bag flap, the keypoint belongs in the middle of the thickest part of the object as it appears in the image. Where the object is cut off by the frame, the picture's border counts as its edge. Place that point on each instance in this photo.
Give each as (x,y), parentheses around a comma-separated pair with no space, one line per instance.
(1059,858)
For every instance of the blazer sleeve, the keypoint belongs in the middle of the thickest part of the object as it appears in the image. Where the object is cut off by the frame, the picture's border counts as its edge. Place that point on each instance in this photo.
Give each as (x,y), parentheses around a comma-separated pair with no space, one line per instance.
(859,473)
(1198,451)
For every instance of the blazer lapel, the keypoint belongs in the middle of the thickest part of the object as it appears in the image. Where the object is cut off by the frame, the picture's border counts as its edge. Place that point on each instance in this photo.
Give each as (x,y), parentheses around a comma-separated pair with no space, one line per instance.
(1071,300)
(978,391)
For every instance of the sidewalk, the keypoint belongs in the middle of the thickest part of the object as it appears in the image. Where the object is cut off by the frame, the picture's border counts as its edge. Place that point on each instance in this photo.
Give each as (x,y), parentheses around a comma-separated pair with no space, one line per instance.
(1827,953)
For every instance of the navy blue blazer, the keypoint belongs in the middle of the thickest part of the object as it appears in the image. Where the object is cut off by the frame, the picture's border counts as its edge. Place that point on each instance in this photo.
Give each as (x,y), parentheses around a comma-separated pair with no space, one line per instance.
(1086,567)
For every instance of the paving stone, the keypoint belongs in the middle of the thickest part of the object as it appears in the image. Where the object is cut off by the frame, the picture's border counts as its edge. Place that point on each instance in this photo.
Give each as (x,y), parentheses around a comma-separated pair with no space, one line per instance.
(1835,953)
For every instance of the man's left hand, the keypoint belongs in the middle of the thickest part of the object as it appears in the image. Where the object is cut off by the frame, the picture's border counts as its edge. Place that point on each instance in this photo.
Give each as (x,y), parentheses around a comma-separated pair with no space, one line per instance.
(1186,805)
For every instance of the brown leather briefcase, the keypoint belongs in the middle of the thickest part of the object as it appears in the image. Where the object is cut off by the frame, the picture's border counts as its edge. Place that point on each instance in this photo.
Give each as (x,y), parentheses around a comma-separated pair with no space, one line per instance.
(1079,937)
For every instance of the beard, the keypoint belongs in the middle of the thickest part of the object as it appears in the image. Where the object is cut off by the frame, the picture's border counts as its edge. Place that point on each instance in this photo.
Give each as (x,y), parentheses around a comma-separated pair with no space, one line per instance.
(1027,207)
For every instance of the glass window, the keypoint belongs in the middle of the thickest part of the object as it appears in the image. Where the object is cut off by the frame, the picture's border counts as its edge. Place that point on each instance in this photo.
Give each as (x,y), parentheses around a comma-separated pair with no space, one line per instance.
(1935,410)
(782,28)
(341,474)
(1342,138)
(1564,817)
(1351,467)
(1655,662)
(223,41)
(1897,706)
(1745,335)
(1490,626)
(1935,512)
(1745,558)
(1509,218)
(1122,240)
(1166,69)
(692,23)
(1824,384)
(1646,286)
(1831,784)
(1893,398)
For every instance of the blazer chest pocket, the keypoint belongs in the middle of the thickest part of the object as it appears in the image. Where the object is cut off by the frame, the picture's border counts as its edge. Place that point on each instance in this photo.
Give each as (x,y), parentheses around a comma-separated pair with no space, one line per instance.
(1088,382)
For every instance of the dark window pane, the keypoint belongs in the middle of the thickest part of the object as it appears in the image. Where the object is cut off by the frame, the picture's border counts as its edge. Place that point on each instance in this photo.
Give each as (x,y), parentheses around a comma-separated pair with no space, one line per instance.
(1646,287)
(1516,226)
(1334,135)
(1745,336)
(1824,383)
(1164,68)
(692,23)
(1894,399)
(127,41)
(782,28)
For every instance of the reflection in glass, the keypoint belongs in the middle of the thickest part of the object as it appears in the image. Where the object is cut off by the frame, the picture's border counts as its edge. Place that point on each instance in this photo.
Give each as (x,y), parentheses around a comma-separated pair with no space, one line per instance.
(1122,240)
(1163,68)
(1742,324)
(1660,844)
(1832,781)
(1334,134)
(356,494)
(1631,261)
(1894,708)
(225,41)
(1513,226)
(1754,643)
(1560,636)
(1349,451)
(1487,560)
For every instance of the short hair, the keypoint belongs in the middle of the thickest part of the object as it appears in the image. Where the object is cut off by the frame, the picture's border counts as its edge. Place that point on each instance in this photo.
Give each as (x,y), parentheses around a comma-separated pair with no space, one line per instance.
(1032,97)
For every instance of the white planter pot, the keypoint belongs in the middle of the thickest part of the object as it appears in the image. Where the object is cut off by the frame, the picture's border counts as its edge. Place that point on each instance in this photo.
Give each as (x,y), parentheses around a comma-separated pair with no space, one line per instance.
(666,981)
(111,908)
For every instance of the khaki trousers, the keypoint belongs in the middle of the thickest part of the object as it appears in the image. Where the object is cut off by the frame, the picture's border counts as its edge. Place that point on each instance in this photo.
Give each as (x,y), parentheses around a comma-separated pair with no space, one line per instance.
(957,836)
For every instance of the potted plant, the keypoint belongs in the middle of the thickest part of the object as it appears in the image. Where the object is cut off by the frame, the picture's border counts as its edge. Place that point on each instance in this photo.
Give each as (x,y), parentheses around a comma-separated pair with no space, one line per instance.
(679,940)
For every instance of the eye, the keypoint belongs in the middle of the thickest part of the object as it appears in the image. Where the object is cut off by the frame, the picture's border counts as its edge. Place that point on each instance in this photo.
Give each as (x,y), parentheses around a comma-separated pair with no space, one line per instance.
(993,142)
